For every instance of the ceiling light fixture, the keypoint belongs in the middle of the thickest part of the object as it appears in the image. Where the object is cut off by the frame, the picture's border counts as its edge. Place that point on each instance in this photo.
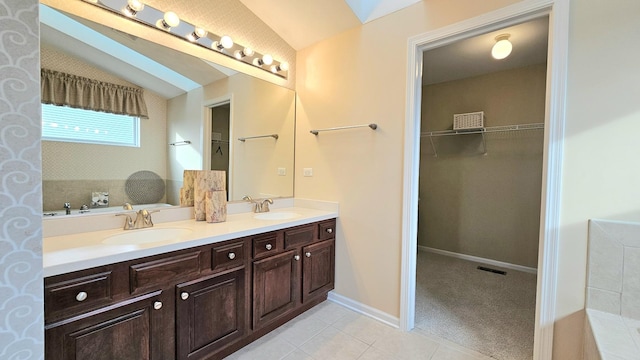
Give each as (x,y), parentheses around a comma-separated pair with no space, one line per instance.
(196,35)
(502,48)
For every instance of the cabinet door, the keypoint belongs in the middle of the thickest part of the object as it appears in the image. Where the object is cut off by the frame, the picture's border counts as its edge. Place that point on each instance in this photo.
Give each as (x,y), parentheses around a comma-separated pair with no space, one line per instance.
(132,329)
(318,269)
(276,288)
(210,314)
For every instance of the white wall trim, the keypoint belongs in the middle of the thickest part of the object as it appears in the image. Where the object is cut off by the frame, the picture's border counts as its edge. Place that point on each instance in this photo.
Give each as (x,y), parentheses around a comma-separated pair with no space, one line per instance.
(478,259)
(364,309)
(207,112)
(552,162)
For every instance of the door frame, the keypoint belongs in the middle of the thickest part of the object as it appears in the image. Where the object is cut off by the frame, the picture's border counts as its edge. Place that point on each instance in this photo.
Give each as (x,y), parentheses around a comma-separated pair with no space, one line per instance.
(206,134)
(558,12)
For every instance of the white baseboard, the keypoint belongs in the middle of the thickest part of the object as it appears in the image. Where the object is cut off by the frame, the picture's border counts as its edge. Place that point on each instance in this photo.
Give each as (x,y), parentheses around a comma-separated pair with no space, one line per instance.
(364,309)
(480,260)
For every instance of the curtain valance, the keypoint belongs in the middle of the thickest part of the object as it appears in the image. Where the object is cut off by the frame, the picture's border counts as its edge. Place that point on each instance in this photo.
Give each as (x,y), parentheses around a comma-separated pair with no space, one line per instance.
(59,88)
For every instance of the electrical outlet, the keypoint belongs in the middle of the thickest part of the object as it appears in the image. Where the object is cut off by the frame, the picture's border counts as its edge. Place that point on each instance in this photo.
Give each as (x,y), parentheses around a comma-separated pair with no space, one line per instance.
(307,171)
(282,171)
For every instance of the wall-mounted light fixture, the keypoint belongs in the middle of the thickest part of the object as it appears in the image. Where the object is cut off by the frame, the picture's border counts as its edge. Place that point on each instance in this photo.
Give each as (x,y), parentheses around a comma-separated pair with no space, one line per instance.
(502,48)
(170,22)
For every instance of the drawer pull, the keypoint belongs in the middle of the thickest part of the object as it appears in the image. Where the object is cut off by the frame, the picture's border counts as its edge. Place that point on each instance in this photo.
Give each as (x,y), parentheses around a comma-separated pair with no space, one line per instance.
(268,247)
(330,230)
(232,256)
(184,295)
(157,305)
(82,296)
(297,257)
(307,254)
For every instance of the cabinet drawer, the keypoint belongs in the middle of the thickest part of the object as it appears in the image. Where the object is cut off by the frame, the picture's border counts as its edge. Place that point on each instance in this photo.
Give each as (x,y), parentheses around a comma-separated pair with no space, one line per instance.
(267,245)
(298,236)
(227,256)
(157,274)
(77,295)
(327,230)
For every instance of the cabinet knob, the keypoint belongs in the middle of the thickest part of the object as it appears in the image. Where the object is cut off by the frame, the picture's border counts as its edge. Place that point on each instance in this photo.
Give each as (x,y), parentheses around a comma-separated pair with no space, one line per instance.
(232,256)
(330,230)
(157,305)
(184,295)
(82,296)
(297,257)
(268,247)
(307,254)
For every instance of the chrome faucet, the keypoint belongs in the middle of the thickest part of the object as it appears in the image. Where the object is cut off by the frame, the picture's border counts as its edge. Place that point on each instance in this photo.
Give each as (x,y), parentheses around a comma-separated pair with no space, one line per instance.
(259,205)
(143,220)
(263,206)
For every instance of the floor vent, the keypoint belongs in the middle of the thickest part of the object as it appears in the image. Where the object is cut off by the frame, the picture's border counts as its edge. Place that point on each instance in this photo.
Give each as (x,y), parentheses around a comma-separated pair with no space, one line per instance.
(495,271)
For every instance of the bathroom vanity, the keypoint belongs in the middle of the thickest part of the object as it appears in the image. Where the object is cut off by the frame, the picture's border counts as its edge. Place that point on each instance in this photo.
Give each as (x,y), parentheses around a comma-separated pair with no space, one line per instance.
(203,297)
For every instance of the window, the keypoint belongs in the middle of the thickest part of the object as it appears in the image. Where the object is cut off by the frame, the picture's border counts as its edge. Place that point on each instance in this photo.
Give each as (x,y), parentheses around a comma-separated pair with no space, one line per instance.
(63,123)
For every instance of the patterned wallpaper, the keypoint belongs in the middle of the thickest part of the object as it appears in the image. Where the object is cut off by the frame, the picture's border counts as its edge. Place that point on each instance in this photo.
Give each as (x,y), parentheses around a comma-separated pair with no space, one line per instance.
(21,299)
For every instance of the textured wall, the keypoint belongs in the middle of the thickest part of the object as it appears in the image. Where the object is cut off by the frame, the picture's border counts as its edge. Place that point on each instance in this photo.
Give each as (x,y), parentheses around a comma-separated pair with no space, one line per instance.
(21,303)
(484,205)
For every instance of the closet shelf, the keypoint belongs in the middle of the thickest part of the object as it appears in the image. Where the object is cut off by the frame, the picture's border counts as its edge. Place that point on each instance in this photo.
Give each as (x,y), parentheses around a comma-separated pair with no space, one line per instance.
(483,131)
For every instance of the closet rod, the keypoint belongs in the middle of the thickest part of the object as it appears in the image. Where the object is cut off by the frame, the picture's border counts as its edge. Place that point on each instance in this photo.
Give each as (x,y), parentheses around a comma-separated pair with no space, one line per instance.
(372,126)
(180,143)
(275,136)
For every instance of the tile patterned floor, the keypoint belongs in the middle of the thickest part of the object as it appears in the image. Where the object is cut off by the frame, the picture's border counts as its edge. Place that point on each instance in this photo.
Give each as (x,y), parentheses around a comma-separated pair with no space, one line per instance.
(332,332)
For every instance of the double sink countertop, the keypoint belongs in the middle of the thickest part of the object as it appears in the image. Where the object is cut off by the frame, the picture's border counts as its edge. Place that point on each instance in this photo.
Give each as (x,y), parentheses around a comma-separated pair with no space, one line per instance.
(64,253)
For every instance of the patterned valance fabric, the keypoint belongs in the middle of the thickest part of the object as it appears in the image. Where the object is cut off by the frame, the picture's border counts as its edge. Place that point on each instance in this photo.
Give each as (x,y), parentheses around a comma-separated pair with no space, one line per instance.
(59,88)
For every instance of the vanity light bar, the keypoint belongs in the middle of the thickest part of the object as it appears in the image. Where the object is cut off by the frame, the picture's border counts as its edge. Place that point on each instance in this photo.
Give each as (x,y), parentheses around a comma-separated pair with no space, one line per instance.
(170,22)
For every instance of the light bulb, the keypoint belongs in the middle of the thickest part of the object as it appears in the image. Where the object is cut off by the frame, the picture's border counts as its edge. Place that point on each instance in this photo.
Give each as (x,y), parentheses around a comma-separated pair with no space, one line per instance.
(197,34)
(133,7)
(502,48)
(169,20)
(258,62)
(239,54)
(267,59)
(226,42)
(284,66)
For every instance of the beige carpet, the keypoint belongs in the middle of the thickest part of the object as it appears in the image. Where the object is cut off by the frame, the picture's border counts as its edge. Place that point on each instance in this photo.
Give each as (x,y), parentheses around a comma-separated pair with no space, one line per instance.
(486,312)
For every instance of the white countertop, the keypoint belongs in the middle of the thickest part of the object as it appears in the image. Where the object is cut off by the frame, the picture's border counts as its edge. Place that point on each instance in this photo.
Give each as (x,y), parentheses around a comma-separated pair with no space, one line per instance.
(72,252)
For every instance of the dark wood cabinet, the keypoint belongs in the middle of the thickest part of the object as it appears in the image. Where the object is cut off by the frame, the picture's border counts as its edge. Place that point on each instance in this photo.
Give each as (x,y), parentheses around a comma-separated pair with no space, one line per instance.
(318,269)
(275,286)
(132,329)
(210,314)
(198,303)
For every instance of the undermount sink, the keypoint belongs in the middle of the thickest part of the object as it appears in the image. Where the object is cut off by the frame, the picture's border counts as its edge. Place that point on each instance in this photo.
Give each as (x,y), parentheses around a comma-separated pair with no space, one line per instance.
(146,236)
(279,215)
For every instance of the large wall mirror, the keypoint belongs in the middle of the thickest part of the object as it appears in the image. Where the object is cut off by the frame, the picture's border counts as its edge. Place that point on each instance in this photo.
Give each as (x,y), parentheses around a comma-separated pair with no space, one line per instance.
(198,111)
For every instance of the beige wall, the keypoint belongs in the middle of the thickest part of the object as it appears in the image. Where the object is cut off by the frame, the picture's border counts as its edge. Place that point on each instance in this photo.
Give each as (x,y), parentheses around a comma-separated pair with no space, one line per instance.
(484,205)
(363,170)
(359,77)
(257,108)
(600,171)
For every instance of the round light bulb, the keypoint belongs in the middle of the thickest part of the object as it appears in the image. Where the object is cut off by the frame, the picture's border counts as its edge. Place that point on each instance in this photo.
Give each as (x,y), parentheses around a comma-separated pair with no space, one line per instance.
(284,66)
(248,51)
(267,59)
(226,42)
(200,32)
(171,19)
(238,54)
(502,48)
(274,69)
(257,62)
(136,5)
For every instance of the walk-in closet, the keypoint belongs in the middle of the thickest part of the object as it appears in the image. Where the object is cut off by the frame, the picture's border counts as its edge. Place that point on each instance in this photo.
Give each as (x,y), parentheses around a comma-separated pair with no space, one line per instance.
(481,157)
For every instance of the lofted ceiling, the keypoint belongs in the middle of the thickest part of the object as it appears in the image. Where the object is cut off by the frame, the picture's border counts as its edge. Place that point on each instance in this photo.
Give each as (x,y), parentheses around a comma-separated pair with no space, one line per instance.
(300,24)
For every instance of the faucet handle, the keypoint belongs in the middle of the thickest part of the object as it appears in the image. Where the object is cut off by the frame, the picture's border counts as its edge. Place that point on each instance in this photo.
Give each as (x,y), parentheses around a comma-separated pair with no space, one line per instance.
(128,221)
